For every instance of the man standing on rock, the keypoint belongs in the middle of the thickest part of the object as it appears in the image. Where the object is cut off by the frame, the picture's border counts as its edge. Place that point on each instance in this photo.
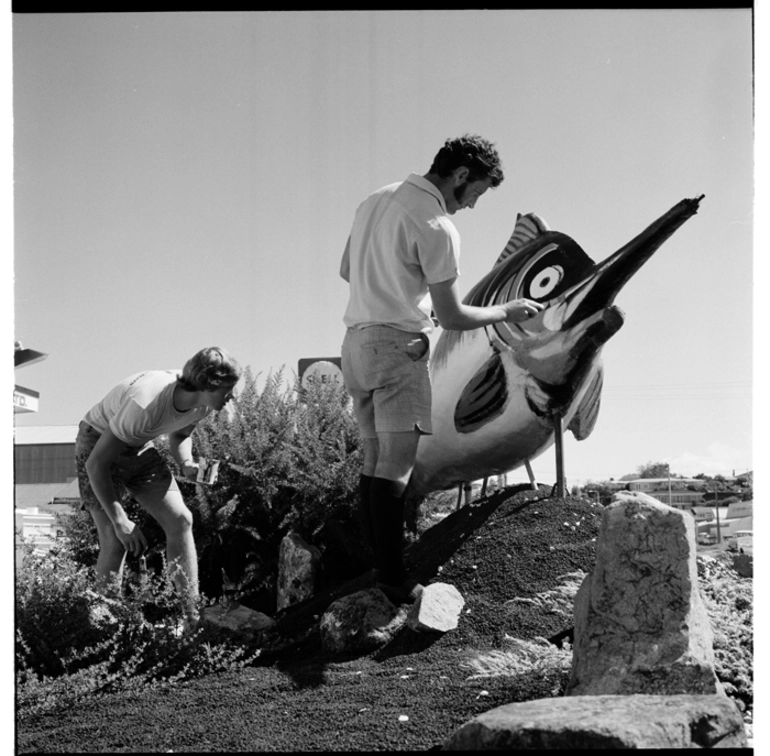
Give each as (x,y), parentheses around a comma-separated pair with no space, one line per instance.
(402,248)
(115,452)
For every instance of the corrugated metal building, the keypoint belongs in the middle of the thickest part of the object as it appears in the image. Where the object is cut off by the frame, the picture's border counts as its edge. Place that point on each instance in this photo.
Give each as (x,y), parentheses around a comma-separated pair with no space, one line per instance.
(44,465)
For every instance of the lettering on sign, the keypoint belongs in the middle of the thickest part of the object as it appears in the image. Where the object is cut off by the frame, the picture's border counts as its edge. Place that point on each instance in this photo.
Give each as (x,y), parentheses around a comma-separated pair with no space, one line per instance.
(24,402)
(321,370)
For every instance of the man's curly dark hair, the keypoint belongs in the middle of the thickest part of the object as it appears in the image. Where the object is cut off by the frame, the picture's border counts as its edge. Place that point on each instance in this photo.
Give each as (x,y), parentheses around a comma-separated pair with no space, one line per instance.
(477,154)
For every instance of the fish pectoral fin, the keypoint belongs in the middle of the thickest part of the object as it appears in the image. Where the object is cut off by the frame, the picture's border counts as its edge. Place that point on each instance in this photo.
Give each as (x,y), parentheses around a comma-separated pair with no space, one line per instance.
(484,396)
(583,421)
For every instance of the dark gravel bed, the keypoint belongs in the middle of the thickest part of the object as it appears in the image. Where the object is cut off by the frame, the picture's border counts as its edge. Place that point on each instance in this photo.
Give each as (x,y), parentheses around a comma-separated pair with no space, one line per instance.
(408,695)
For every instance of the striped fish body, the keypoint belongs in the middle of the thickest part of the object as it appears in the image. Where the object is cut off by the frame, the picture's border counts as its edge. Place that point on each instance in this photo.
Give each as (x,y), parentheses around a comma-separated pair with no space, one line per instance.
(498,390)
(498,429)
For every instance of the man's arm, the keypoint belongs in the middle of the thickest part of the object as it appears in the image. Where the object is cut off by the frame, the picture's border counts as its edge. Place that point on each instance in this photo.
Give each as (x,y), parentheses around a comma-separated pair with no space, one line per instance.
(106,450)
(345,265)
(453,315)
(180,446)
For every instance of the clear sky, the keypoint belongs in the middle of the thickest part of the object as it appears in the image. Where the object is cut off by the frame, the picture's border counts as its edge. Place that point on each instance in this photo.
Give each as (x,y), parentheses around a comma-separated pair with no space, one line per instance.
(189,179)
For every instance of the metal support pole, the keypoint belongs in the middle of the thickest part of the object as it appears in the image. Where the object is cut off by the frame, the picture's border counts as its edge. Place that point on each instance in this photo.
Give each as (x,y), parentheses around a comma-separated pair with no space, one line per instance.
(459,497)
(532,480)
(559,437)
(484,487)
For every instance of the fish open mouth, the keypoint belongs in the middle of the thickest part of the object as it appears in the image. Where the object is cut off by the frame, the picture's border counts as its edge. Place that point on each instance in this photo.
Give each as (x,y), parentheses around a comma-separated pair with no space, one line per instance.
(599,290)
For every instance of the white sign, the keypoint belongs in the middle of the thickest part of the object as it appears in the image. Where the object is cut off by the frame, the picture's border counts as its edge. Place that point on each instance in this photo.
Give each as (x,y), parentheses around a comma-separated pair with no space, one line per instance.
(322,371)
(25,400)
(739,509)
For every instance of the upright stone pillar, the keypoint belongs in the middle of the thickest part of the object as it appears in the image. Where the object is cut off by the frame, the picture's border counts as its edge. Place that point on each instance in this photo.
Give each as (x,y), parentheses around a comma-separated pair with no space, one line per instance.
(298,568)
(640,622)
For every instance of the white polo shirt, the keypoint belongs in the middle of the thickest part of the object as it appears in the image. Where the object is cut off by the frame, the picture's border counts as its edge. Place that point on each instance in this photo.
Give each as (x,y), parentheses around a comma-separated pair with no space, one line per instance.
(402,240)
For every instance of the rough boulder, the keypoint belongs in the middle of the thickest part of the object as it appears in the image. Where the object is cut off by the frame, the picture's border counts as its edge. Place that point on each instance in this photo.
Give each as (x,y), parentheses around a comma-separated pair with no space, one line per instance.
(585,722)
(298,569)
(360,622)
(640,623)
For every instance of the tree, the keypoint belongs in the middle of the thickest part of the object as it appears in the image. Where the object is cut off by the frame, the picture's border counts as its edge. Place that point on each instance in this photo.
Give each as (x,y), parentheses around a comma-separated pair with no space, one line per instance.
(601,489)
(653,470)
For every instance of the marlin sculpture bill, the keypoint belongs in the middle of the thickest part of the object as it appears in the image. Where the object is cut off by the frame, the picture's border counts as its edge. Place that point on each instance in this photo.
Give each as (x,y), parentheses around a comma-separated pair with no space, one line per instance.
(497,390)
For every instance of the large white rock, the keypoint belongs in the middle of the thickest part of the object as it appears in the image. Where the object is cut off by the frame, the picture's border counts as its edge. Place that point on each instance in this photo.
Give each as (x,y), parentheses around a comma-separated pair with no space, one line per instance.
(640,622)
(616,722)
(437,609)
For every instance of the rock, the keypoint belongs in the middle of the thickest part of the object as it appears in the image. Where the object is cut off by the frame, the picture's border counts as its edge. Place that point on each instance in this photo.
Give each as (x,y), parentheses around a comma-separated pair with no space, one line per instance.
(298,567)
(436,610)
(640,622)
(361,621)
(584,722)
(743,564)
(102,611)
(235,616)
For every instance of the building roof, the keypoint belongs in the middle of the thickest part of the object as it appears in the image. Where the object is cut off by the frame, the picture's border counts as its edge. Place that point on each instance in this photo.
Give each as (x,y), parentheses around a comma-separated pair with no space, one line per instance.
(38,494)
(663,480)
(69,490)
(45,434)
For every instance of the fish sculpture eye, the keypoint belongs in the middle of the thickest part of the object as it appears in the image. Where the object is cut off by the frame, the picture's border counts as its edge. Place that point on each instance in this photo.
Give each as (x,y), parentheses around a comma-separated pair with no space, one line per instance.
(550,272)
(545,282)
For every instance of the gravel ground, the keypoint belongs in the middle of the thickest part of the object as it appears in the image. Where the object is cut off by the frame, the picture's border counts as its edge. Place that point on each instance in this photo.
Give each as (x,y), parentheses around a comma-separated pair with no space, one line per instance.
(408,695)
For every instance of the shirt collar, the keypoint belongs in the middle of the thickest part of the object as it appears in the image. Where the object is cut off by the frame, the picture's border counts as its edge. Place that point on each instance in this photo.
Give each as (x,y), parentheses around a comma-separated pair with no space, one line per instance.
(422,183)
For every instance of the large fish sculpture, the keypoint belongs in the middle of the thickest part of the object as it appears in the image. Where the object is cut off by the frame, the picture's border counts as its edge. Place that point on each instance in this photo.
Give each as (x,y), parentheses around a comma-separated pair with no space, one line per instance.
(498,390)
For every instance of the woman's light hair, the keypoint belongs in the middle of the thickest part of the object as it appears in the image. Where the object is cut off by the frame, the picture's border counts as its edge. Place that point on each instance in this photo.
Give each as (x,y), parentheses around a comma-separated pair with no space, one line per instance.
(209,369)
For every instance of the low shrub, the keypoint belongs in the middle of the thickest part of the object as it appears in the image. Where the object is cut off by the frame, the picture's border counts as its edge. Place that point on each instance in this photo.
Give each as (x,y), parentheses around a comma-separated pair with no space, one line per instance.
(522,661)
(72,642)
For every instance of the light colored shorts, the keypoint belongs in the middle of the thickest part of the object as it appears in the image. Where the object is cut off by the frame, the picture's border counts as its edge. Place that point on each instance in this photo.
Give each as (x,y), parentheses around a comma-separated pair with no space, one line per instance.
(139,471)
(386,373)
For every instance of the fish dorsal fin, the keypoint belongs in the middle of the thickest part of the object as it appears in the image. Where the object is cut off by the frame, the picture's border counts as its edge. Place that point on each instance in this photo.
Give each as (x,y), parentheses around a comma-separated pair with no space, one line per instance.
(528,227)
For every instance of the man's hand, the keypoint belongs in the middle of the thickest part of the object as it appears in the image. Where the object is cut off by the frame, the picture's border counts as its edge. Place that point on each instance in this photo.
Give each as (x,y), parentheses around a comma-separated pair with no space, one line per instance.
(130,535)
(190,470)
(519,310)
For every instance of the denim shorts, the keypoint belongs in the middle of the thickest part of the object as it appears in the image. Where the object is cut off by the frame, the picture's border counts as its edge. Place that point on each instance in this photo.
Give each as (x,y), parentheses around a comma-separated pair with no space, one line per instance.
(139,471)
(386,373)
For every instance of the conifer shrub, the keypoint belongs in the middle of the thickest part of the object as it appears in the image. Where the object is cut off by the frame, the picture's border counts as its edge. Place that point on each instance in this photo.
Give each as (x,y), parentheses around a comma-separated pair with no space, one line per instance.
(290,458)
